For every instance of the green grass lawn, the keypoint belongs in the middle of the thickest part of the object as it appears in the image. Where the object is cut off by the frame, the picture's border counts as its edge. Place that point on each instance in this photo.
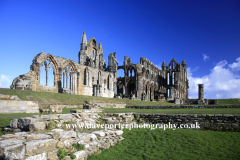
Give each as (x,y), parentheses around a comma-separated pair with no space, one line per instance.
(228,101)
(144,144)
(47,98)
(5,119)
(176,111)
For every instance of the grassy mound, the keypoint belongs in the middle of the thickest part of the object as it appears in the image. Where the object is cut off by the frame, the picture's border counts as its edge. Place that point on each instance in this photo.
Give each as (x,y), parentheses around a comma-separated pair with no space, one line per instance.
(234,101)
(141,144)
(175,111)
(47,98)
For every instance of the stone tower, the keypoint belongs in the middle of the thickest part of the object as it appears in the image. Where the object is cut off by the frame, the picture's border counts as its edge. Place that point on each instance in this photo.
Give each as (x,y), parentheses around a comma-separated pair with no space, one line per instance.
(200,94)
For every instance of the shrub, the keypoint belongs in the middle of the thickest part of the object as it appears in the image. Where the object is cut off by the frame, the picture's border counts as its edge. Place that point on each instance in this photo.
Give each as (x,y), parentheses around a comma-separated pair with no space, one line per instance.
(62,153)
(51,125)
(122,116)
(79,147)
(72,156)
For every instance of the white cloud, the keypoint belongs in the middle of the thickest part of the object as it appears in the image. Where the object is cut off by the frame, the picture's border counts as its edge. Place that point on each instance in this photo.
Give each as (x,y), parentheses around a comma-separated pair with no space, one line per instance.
(5,81)
(235,65)
(222,82)
(205,57)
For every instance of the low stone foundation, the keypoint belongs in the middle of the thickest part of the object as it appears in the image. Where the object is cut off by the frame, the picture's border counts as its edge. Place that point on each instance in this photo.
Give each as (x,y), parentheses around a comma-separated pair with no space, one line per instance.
(207,121)
(10,97)
(13,106)
(112,105)
(183,106)
(42,136)
(58,108)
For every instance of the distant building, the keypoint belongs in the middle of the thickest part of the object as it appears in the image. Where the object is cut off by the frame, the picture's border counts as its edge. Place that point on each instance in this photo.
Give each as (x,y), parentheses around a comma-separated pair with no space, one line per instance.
(90,76)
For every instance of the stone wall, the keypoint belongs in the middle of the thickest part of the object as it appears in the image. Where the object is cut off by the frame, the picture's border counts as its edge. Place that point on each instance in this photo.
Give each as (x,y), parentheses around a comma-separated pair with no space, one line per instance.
(207,121)
(112,105)
(36,142)
(29,146)
(184,106)
(12,106)
(10,97)
(58,108)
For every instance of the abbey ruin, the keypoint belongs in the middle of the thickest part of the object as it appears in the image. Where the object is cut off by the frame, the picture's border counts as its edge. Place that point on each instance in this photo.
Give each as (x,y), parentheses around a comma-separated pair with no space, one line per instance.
(90,76)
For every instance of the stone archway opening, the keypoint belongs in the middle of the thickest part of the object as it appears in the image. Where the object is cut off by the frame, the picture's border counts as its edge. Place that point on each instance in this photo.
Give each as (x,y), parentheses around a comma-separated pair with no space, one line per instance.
(131,87)
(120,88)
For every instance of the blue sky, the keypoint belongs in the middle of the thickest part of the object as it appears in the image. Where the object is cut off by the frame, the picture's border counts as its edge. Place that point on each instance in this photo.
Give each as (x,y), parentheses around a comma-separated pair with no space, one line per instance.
(204,33)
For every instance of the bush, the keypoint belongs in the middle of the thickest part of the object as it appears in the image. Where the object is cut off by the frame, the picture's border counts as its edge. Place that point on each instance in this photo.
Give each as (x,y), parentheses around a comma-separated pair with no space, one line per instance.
(72,156)
(79,147)
(122,116)
(62,153)
(51,125)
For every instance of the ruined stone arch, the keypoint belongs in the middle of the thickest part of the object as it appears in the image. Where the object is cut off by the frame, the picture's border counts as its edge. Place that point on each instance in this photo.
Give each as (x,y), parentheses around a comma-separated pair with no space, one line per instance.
(69,76)
(109,82)
(131,71)
(99,78)
(147,74)
(71,65)
(143,71)
(42,59)
(120,86)
(130,87)
(86,76)
(148,85)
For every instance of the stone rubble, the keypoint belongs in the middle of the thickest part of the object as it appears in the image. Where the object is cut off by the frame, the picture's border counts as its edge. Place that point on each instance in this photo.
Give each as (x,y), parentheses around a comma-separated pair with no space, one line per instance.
(37,142)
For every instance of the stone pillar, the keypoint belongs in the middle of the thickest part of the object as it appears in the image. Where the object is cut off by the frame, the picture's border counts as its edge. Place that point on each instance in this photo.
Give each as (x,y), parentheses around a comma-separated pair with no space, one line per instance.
(47,76)
(64,79)
(94,90)
(75,83)
(67,74)
(200,92)
(100,90)
(87,80)
(148,94)
(70,78)
(97,91)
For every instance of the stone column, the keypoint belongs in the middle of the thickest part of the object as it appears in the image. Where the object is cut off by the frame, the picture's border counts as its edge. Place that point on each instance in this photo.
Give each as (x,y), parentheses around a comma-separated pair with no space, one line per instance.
(64,79)
(94,89)
(200,92)
(87,80)
(74,83)
(67,74)
(148,94)
(97,92)
(47,76)
(100,90)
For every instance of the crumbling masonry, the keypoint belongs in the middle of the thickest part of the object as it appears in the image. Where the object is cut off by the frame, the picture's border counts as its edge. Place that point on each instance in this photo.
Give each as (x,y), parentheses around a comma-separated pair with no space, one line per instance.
(90,76)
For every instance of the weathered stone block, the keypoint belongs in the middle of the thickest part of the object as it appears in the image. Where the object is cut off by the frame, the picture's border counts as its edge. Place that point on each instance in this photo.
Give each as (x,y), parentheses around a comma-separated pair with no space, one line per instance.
(119,132)
(39,146)
(5,143)
(23,123)
(38,137)
(52,155)
(14,152)
(80,155)
(14,123)
(99,133)
(67,134)
(37,126)
(64,143)
(42,156)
